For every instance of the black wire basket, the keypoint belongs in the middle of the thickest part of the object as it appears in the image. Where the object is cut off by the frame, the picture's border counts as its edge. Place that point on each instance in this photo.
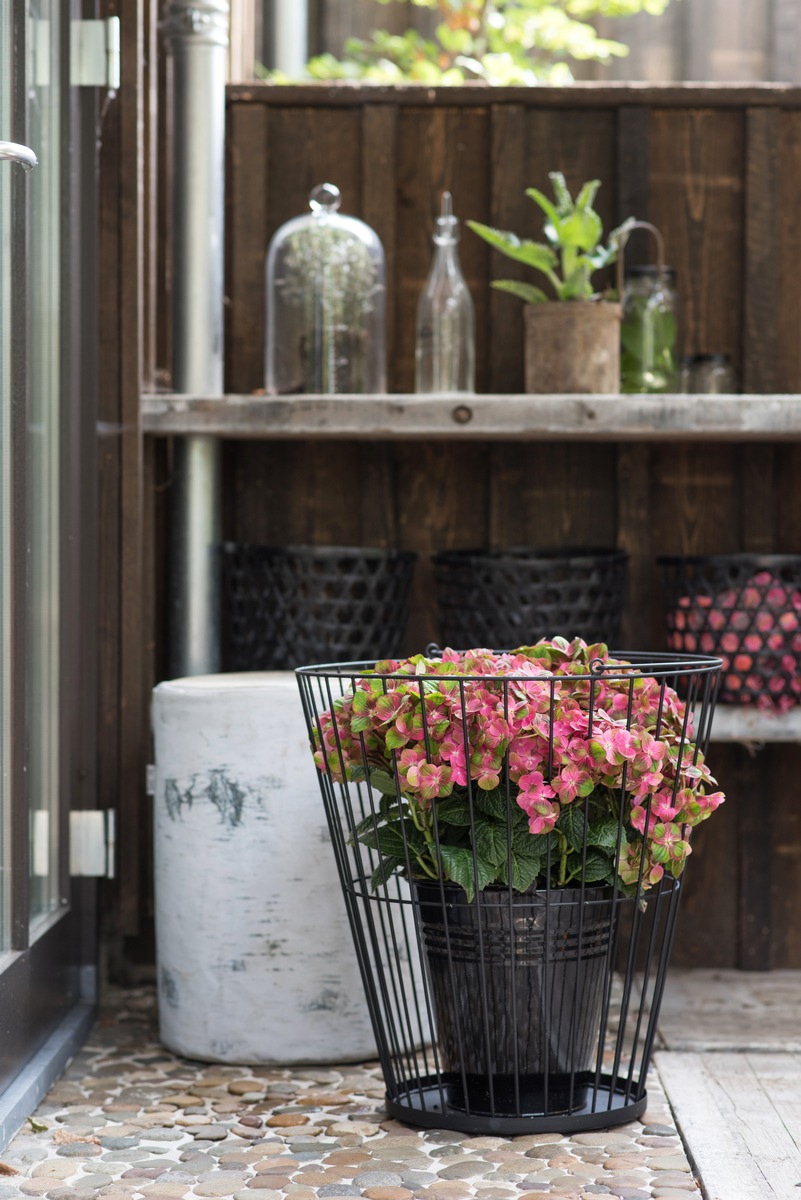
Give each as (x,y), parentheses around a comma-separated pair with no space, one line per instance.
(745,608)
(517,596)
(286,605)
(487,925)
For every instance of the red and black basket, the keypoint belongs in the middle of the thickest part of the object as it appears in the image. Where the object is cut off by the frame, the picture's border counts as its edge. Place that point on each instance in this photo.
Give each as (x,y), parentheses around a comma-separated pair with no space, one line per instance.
(745,609)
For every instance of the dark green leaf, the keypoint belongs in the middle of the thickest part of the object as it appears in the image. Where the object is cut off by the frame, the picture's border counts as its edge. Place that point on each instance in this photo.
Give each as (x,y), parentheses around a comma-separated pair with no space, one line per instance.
(383,782)
(492,840)
(459,867)
(390,840)
(525,869)
(366,828)
(603,834)
(598,868)
(571,824)
(385,869)
(492,803)
(453,811)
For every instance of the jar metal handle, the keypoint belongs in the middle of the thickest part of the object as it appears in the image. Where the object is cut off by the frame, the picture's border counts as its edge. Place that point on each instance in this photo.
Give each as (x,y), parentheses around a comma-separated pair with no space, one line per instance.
(660,252)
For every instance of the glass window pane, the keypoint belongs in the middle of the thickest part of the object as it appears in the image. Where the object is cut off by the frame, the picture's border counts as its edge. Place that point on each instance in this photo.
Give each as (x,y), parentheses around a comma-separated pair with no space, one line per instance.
(5,499)
(44,477)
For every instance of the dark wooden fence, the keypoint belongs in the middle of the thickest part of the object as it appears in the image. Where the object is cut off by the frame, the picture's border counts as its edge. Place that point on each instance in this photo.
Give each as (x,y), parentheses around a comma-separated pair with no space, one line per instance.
(719,171)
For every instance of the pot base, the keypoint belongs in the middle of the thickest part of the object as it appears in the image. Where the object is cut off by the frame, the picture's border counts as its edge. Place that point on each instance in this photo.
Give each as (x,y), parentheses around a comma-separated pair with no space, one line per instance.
(425,1103)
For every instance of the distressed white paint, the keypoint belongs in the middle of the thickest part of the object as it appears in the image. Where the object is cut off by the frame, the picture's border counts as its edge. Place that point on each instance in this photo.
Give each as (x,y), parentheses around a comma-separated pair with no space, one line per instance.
(255,956)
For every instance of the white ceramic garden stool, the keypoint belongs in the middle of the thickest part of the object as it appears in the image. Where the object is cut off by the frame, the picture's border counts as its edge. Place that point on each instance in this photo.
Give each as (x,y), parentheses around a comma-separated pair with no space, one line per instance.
(255,957)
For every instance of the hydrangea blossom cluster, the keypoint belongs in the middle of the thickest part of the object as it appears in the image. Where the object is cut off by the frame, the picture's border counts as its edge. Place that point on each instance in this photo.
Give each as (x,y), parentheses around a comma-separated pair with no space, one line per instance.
(596,756)
(756,631)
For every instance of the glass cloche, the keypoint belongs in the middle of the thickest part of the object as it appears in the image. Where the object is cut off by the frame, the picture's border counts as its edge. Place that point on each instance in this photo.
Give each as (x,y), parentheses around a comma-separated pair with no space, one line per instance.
(325,303)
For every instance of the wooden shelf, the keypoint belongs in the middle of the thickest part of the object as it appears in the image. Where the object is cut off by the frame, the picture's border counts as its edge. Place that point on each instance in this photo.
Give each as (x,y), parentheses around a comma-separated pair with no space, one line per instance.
(733,724)
(536,418)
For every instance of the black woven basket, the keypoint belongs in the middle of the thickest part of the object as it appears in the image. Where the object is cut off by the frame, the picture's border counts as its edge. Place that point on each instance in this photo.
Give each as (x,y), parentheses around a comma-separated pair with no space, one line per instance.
(746,609)
(515,597)
(286,605)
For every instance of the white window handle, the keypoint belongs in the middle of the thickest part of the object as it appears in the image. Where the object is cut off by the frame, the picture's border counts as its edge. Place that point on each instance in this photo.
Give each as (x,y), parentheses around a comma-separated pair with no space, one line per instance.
(19,154)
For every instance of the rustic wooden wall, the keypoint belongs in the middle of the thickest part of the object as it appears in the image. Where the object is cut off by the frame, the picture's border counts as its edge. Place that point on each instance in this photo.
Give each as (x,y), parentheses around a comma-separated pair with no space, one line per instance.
(718,170)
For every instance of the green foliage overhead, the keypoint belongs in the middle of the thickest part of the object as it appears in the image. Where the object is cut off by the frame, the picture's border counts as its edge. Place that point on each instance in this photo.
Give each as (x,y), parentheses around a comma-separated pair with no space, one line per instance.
(502,42)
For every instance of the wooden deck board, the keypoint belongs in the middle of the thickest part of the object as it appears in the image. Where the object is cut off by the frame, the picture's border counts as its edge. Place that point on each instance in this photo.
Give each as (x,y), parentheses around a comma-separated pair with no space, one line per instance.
(740,1115)
(732,1011)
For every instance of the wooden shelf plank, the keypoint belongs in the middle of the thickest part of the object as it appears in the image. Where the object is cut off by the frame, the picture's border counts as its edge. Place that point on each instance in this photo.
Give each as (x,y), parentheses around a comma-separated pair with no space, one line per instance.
(734,724)
(480,417)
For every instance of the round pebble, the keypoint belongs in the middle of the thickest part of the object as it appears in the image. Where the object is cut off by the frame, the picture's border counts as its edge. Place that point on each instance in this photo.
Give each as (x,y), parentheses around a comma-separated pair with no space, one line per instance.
(79,1150)
(225,1185)
(368,1179)
(388,1193)
(338,1189)
(417,1179)
(659,1131)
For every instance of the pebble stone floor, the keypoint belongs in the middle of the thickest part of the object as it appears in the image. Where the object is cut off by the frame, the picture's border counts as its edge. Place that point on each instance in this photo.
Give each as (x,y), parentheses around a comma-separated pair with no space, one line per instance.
(129,1120)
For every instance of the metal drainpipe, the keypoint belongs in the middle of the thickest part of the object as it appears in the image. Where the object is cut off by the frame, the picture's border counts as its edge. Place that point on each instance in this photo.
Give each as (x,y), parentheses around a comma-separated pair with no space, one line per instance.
(291,37)
(196,33)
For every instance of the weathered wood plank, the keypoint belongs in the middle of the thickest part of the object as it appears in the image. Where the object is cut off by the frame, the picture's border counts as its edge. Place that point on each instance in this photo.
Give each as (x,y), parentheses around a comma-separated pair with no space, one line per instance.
(761,267)
(379,151)
(634,523)
(697,201)
(547,418)
(577,95)
(739,1114)
(731,1010)
(756,835)
(246,246)
(785,767)
(509,208)
(788,303)
(442,505)
(633,162)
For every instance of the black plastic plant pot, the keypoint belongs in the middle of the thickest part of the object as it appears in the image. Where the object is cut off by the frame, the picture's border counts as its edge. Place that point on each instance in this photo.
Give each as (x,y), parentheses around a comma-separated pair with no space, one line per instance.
(538,965)
(745,608)
(513,962)
(516,596)
(284,605)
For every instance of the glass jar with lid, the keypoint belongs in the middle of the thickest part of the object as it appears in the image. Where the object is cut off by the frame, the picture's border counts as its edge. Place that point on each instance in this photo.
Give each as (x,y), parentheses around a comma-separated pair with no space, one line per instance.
(325,280)
(712,374)
(649,329)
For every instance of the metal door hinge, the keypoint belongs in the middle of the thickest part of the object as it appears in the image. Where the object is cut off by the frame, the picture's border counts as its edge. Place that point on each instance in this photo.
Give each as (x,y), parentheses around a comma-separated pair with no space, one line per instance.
(93,838)
(95,53)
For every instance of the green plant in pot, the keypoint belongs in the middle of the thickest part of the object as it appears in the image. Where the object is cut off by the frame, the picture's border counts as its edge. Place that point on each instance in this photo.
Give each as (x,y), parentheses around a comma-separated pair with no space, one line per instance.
(524,799)
(572,345)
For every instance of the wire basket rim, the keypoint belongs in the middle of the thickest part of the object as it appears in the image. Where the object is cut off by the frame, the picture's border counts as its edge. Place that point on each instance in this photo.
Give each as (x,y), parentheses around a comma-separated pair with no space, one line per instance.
(641,662)
(743,558)
(517,555)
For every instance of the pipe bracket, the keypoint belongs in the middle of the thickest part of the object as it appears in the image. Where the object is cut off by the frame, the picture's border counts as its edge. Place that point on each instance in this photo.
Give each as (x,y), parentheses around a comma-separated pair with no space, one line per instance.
(195,21)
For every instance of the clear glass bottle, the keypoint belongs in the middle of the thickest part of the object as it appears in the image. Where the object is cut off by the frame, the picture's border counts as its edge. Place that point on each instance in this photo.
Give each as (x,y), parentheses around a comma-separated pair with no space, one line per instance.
(326,324)
(649,331)
(445,355)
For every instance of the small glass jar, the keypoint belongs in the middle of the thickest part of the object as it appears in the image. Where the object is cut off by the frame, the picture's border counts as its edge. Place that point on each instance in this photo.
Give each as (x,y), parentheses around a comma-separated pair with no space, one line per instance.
(712,374)
(326,326)
(649,330)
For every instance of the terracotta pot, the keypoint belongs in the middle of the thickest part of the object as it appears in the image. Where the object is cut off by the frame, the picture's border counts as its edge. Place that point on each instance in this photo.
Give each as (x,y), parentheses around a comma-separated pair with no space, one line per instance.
(573,346)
